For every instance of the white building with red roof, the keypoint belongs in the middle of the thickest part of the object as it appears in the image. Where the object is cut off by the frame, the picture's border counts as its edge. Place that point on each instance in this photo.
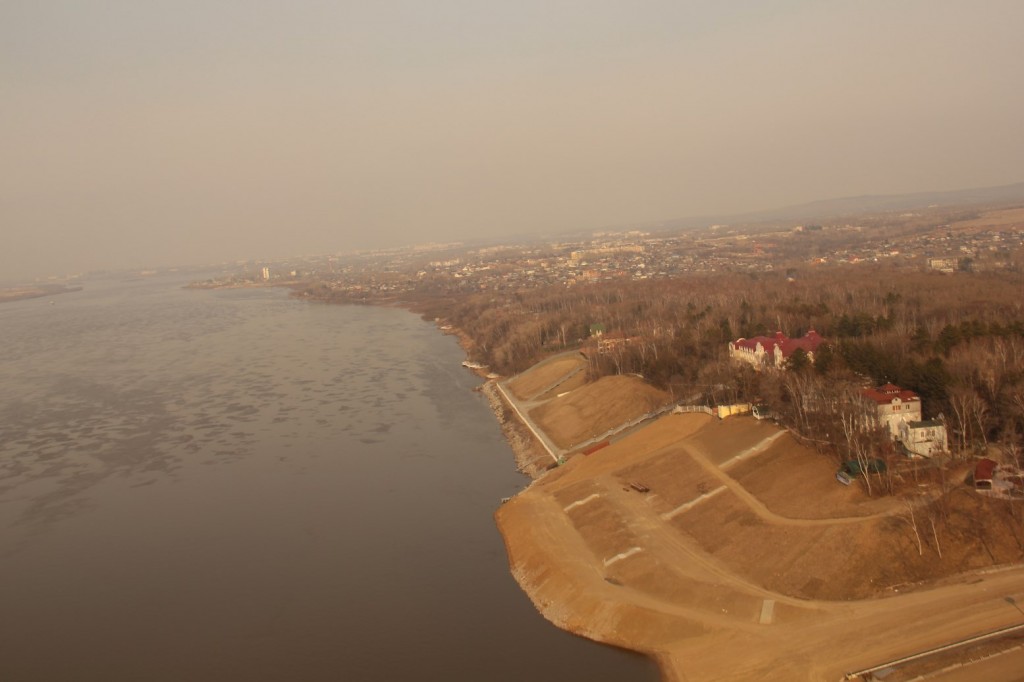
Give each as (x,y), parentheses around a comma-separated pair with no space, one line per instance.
(774,351)
(894,405)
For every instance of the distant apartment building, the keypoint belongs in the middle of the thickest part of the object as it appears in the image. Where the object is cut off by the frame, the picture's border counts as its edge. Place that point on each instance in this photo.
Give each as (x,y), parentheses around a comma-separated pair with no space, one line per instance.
(265,273)
(944,264)
(773,351)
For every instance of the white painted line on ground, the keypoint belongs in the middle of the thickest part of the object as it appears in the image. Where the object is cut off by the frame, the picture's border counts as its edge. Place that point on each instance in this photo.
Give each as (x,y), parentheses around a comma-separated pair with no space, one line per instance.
(767,611)
(668,516)
(619,557)
(579,503)
(753,450)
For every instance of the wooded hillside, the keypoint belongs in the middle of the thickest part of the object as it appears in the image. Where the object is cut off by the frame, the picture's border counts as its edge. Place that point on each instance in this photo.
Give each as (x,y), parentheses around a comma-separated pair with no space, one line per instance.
(957,340)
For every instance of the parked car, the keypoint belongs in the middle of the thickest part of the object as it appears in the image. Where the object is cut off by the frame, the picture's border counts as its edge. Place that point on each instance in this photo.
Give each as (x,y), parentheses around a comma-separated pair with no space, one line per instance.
(852,468)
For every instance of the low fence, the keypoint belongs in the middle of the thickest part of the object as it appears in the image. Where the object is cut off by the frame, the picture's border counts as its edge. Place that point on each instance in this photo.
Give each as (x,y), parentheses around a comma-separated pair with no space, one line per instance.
(688,409)
(721,411)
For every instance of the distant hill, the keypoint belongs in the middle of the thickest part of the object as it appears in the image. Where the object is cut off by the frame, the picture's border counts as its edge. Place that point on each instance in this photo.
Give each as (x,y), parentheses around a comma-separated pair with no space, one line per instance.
(851,206)
(891,202)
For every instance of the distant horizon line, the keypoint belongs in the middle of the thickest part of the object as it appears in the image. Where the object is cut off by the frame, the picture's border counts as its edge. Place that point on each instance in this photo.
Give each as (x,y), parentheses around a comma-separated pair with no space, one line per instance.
(826,208)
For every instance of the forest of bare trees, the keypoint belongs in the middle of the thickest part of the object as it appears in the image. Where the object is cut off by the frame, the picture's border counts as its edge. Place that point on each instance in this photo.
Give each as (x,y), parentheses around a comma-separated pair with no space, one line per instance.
(957,340)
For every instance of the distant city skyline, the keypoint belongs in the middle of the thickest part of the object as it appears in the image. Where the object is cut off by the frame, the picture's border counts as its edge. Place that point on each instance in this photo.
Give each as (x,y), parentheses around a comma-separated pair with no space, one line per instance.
(174,133)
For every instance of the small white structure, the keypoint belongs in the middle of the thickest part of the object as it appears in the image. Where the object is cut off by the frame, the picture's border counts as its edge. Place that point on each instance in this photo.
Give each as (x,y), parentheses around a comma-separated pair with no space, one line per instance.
(923,438)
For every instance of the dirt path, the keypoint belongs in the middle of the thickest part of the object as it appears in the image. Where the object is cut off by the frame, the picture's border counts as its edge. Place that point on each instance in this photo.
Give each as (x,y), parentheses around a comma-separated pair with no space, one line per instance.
(603,560)
(807,640)
(519,408)
(685,557)
(759,507)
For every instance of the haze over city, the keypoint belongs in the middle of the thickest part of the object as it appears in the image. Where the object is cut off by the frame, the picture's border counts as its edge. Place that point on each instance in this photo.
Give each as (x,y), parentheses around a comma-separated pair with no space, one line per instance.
(163,133)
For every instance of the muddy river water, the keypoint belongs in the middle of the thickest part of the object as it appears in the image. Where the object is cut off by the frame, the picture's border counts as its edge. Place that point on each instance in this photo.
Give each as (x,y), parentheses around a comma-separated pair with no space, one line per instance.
(235,485)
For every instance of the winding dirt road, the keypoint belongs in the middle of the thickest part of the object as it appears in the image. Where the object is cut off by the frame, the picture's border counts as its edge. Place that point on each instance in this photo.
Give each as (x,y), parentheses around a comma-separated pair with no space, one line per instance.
(601,560)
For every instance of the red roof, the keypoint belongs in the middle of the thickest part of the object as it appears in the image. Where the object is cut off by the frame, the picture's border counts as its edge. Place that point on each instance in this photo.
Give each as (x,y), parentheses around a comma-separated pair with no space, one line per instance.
(888,393)
(809,342)
(984,469)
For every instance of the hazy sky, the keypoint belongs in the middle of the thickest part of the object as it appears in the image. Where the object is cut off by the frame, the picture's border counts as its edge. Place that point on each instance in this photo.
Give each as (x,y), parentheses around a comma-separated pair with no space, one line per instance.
(155,132)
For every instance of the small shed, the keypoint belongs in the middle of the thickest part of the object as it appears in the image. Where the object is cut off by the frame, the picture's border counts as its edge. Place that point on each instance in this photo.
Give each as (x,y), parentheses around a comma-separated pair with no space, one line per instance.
(984,472)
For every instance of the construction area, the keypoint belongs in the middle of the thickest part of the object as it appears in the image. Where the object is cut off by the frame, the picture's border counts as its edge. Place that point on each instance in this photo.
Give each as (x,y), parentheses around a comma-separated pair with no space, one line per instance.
(727,550)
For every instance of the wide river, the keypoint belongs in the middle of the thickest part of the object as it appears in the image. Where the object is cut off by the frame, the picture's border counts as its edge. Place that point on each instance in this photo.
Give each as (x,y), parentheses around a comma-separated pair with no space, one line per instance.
(234,485)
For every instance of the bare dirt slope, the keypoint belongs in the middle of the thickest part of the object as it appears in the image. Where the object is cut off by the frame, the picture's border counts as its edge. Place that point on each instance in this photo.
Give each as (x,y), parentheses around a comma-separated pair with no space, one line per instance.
(746,543)
(595,408)
(543,376)
(573,382)
(785,466)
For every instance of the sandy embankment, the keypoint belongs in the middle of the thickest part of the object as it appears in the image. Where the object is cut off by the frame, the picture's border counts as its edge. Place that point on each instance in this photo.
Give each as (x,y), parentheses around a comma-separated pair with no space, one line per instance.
(565,587)
(563,571)
(746,560)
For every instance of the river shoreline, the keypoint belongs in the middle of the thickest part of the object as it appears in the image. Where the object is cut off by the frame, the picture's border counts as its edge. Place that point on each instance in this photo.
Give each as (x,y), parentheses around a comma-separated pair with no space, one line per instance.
(708,595)
(26,293)
(698,582)
(563,601)
(532,460)
(549,597)
(628,572)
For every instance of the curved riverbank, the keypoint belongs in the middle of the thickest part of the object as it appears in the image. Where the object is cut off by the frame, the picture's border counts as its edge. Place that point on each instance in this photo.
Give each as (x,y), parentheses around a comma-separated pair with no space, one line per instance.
(565,592)
(724,550)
